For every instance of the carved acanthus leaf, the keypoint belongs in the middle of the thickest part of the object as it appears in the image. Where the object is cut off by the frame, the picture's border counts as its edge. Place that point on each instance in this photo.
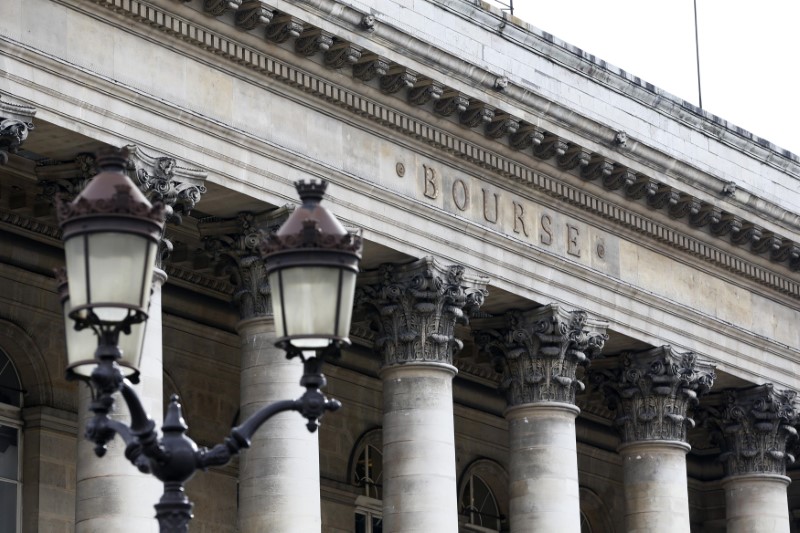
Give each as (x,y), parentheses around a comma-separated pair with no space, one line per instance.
(283,27)
(754,428)
(551,146)
(252,13)
(67,179)
(653,392)
(424,91)
(575,156)
(502,124)
(342,53)
(526,136)
(642,187)
(477,113)
(397,78)
(451,102)
(664,196)
(539,351)
(313,40)
(234,246)
(16,122)
(597,167)
(370,66)
(706,214)
(417,307)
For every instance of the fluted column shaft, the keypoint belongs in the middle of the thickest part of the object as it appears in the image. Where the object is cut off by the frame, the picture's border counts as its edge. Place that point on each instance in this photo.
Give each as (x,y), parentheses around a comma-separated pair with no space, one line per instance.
(656,490)
(756,503)
(279,487)
(419,468)
(544,467)
(112,495)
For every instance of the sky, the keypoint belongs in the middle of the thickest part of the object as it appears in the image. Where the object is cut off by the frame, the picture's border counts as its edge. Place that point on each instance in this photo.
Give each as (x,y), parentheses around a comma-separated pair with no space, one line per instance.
(749,52)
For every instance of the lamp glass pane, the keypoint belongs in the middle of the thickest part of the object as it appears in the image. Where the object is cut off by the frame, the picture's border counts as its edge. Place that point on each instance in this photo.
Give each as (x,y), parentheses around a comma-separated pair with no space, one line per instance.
(75,252)
(118,267)
(306,298)
(82,344)
(346,305)
(131,346)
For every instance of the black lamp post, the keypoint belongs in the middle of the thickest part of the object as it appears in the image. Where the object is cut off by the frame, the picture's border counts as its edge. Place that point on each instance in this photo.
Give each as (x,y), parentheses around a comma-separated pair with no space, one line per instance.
(111,233)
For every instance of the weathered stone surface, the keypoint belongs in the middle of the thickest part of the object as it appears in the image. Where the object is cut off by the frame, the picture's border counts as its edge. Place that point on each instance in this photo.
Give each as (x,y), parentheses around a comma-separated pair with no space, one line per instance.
(654,391)
(539,352)
(417,306)
(755,430)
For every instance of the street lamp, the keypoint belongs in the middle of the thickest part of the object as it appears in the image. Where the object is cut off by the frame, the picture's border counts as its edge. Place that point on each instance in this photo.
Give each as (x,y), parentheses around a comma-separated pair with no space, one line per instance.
(111,234)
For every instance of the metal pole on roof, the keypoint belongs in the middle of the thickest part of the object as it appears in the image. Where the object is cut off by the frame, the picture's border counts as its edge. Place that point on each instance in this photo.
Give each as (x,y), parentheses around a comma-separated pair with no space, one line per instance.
(697,52)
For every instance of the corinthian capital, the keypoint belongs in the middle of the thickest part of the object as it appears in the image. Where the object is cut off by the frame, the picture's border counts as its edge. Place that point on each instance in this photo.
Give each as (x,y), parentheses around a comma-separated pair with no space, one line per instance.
(163,180)
(233,243)
(539,351)
(16,121)
(754,429)
(418,306)
(653,392)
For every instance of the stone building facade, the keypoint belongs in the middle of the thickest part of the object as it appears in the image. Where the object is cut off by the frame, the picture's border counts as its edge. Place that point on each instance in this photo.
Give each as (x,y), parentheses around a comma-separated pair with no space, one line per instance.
(579,301)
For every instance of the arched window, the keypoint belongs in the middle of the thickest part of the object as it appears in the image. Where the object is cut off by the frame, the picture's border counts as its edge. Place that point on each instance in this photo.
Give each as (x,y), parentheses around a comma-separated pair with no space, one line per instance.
(483,497)
(10,446)
(479,505)
(367,474)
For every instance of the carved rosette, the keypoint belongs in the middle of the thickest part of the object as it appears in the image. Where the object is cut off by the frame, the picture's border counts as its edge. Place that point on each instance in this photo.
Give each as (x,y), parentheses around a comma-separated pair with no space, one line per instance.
(16,121)
(161,179)
(754,429)
(234,245)
(538,353)
(417,308)
(653,392)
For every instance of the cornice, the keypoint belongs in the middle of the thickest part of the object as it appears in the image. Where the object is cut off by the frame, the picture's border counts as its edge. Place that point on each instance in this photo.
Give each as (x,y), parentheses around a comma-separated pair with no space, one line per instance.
(539,145)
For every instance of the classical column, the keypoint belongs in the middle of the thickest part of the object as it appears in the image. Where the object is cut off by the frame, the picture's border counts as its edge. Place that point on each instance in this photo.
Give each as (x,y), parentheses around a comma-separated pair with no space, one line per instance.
(16,121)
(279,488)
(417,308)
(112,495)
(652,393)
(109,490)
(539,352)
(754,429)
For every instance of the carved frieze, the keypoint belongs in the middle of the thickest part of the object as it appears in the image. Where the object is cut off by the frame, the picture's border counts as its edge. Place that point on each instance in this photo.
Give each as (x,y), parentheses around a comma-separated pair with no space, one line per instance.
(538,352)
(754,429)
(16,122)
(416,308)
(653,392)
(284,26)
(234,246)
